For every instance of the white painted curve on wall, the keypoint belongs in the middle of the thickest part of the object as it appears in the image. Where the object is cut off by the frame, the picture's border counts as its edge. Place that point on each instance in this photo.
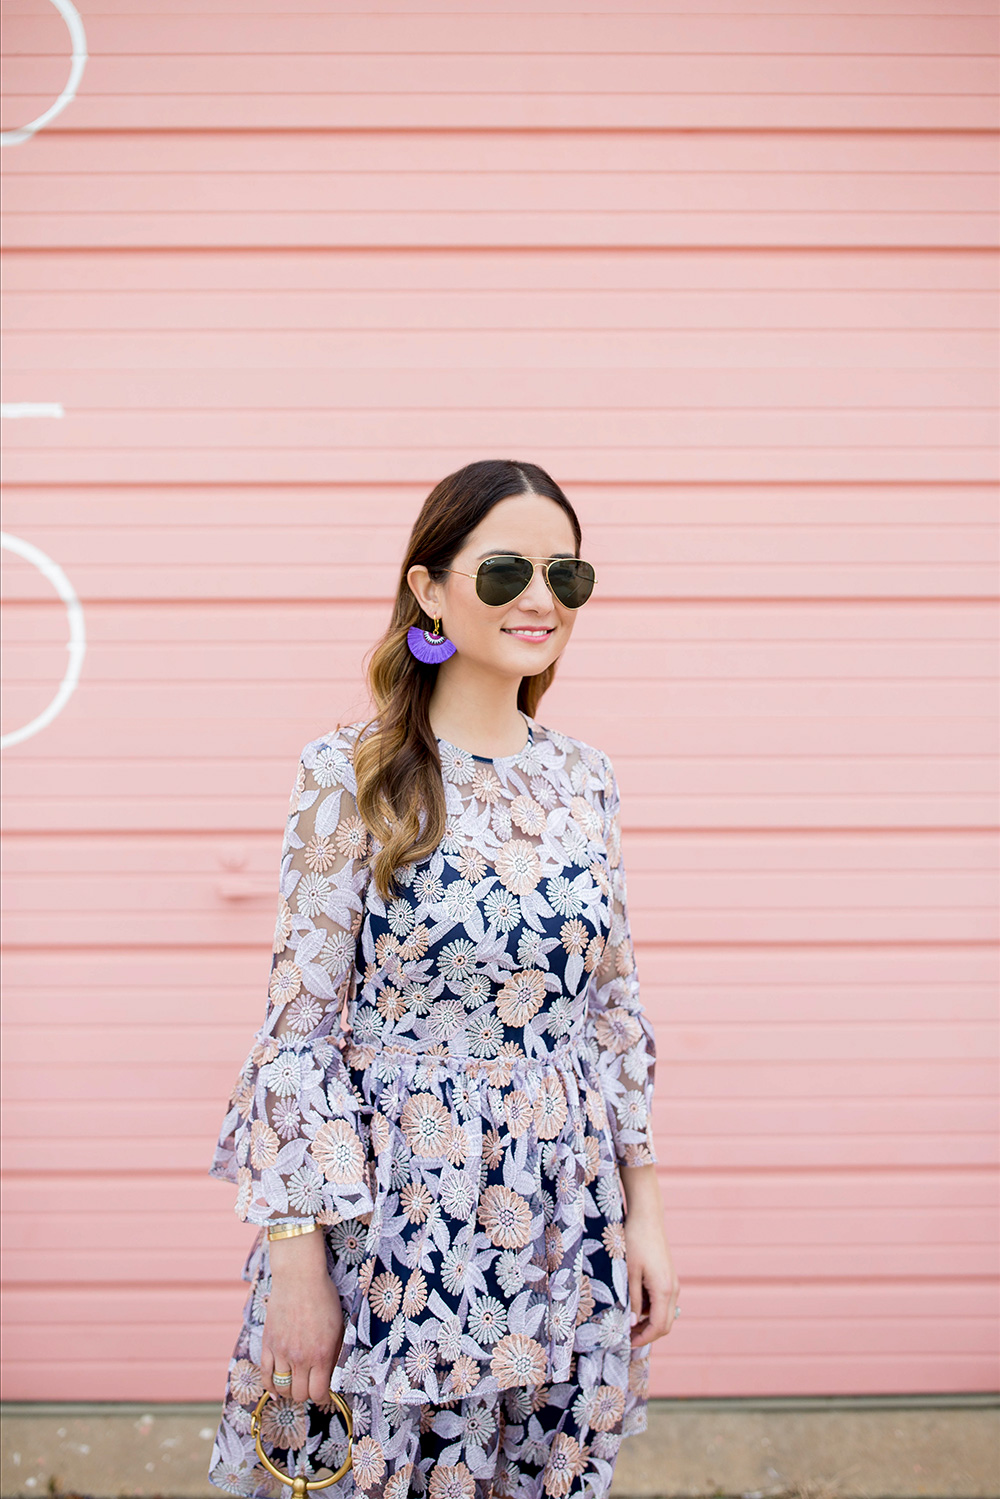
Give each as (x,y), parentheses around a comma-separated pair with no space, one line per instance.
(76,645)
(78,38)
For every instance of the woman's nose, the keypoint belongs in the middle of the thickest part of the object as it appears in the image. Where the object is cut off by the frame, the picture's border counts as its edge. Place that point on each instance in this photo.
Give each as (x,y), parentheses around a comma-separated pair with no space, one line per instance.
(537,593)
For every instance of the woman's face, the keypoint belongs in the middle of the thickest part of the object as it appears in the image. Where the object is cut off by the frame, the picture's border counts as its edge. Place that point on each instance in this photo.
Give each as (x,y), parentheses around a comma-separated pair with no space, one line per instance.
(519,639)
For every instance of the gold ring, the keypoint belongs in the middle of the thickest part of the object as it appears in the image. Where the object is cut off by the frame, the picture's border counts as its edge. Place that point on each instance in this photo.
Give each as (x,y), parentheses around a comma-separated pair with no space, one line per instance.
(300,1486)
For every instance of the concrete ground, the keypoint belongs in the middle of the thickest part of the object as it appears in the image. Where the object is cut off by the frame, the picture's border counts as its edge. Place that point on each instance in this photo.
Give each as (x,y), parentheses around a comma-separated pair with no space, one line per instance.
(892,1447)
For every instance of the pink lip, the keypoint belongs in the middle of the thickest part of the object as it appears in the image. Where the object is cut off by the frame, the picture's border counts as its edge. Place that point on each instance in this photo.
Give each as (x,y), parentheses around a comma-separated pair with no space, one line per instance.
(536,639)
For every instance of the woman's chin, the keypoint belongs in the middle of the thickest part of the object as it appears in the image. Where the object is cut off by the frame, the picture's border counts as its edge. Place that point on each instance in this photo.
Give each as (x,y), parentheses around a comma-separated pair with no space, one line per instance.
(510,657)
(528,661)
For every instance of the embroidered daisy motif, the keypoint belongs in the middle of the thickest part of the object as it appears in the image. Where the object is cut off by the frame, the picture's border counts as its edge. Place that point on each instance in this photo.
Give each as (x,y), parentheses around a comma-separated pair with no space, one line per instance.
(476,990)
(284,1424)
(502,910)
(426,1124)
(319,853)
(337,1151)
(457,765)
(283,1076)
(351,837)
(245,1382)
(567,897)
(286,981)
(311,894)
(518,1359)
(521,997)
(282,925)
(264,1144)
(305,1191)
(336,952)
(518,866)
(505,1216)
(329,759)
(305,1013)
(526,814)
(400,917)
(486,785)
(472,864)
(286,1119)
(458,959)
(427,887)
(459,900)
(574,936)
(487,1319)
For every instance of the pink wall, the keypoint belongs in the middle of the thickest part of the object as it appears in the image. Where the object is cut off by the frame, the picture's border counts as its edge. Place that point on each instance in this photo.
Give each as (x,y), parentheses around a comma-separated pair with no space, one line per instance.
(728,276)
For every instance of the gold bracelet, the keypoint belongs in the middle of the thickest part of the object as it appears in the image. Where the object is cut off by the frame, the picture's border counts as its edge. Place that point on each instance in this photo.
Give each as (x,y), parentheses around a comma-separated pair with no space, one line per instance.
(290,1230)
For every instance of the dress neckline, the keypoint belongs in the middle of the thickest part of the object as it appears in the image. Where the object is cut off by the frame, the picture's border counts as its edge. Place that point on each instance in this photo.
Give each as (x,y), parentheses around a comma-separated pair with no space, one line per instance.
(493,759)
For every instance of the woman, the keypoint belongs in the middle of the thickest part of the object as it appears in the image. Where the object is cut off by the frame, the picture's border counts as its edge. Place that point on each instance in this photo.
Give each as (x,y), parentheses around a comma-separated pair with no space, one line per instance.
(446,1243)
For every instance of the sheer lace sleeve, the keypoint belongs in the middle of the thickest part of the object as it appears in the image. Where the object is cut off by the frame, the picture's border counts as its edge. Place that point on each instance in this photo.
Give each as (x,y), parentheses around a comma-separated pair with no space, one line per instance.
(292,1140)
(626,1043)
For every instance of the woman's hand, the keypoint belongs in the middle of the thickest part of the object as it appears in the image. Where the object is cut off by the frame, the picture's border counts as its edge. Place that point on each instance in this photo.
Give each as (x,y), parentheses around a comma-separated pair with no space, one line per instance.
(653,1286)
(304,1324)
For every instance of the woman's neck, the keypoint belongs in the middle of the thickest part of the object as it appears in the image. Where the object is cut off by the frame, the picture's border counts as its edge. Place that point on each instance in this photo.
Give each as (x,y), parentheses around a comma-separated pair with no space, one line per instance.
(477,712)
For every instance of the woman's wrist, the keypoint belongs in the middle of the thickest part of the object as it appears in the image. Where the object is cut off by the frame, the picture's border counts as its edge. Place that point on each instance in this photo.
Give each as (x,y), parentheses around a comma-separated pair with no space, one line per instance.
(642,1189)
(303,1255)
(292,1229)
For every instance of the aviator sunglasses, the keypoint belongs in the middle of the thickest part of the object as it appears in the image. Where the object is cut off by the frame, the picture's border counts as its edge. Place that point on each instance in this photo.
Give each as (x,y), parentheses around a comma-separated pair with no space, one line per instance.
(500,579)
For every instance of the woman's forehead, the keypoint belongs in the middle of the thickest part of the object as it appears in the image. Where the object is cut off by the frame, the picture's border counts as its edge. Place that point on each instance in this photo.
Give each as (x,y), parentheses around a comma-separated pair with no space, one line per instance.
(529,525)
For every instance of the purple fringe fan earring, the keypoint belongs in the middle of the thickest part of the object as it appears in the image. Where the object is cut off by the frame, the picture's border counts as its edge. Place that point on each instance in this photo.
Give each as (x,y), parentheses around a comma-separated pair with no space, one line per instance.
(430,646)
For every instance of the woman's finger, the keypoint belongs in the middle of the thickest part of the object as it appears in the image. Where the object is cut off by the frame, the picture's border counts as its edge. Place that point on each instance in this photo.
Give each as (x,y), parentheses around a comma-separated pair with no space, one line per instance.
(299,1391)
(635,1294)
(659,1309)
(319,1381)
(279,1364)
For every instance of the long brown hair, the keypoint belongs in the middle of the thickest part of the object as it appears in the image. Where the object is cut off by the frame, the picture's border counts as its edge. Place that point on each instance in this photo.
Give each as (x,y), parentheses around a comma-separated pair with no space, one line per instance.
(397,765)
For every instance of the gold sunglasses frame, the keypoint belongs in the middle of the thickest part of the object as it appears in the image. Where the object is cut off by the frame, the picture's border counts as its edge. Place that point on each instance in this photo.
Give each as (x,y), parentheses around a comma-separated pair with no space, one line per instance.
(543,562)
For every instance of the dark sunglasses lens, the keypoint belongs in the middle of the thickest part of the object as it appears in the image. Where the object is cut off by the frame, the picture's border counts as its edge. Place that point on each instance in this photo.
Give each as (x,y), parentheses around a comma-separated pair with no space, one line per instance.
(501,579)
(572,582)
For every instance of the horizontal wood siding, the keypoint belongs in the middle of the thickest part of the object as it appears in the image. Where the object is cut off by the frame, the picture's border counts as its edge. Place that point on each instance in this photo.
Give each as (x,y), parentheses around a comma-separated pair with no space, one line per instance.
(731,277)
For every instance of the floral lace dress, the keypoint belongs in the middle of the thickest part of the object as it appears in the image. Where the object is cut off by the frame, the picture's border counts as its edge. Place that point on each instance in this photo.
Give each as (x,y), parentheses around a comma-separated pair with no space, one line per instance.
(460,1141)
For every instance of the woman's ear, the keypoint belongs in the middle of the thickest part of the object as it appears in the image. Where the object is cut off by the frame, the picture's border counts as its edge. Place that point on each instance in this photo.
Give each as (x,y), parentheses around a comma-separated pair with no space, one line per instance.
(425,590)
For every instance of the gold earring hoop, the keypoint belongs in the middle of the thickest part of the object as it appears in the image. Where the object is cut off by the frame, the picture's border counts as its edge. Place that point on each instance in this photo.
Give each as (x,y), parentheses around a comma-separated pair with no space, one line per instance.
(301,1486)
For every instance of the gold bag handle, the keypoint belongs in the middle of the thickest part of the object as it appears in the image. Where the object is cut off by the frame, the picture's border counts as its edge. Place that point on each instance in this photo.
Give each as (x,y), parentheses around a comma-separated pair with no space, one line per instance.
(300,1485)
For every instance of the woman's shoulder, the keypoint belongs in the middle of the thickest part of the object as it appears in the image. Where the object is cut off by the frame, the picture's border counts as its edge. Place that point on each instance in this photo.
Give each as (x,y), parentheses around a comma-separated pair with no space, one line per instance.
(330,756)
(574,748)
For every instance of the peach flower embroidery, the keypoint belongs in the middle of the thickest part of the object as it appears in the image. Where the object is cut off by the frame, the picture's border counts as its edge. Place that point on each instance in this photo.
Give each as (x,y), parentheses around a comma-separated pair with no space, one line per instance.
(607,1407)
(385,1295)
(517,1359)
(337,1151)
(264,1145)
(617,1029)
(527,815)
(455,1482)
(551,1109)
(351,837)
(286,981)
(319,853)
(566,1462)
(426,1123)
(518,866)
(284,1423)
(505,1216)
(521,997)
